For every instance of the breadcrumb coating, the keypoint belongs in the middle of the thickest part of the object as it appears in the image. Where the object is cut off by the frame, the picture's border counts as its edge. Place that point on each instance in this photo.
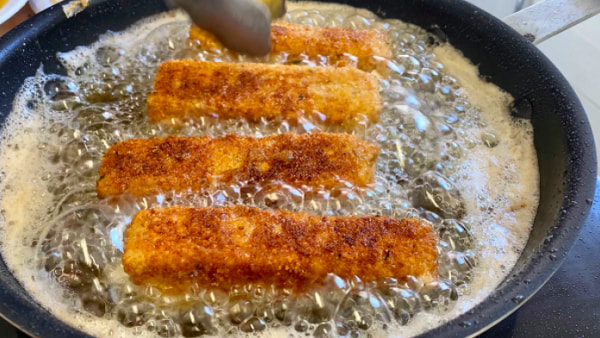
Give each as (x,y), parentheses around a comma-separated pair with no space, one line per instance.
(185,89)
(343,46)
(221,247)
(144,167)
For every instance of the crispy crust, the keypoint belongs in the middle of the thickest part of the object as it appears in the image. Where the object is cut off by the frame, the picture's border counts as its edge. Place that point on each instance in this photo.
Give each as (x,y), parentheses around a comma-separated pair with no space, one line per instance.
(148,166)
(340,44)
(221,247)
(191,89)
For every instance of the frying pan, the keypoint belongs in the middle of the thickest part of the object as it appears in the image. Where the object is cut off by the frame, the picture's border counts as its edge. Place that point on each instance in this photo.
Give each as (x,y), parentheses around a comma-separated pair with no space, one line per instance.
(562,135)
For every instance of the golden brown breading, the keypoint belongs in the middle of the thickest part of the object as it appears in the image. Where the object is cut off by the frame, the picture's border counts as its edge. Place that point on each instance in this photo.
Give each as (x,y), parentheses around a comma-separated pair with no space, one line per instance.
(149,166)
(221,247)
(339,44)
(191,89)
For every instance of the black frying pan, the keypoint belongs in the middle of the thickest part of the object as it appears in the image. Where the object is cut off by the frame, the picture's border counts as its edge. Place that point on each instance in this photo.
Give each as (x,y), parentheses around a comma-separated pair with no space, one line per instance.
(563,138)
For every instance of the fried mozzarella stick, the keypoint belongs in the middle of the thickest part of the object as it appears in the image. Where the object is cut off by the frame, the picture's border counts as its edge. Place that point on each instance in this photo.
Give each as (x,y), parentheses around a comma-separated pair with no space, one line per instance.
(148,166)
(192,89)
(312,41)
(221,247)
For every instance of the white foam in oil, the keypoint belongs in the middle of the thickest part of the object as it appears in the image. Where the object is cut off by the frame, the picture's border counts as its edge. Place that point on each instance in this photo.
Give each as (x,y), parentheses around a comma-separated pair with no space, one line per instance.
(449,150)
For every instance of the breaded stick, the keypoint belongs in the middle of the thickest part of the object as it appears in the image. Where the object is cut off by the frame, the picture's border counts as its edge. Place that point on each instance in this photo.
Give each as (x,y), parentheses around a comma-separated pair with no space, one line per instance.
(191,89)
(148,166)
(221,247)
(312,41)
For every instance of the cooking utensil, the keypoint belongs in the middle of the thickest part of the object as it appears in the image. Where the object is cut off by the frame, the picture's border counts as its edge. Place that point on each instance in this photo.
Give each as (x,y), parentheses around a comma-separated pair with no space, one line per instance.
(242,25)
(562,135)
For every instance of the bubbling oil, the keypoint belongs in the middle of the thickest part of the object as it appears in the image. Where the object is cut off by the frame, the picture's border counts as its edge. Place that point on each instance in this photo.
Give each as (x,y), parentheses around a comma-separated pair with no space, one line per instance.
(65,245)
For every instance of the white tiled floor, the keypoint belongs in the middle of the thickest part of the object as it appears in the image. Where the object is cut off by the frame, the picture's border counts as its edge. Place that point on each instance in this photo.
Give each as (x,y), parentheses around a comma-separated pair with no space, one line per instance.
(576,52)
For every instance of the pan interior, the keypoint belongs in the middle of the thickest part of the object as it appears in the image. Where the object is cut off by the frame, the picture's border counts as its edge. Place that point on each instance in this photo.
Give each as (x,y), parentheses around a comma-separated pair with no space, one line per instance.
(427,95)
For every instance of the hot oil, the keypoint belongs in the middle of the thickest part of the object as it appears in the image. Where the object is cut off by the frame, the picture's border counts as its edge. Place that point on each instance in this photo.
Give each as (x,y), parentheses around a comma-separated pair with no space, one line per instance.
(451,155)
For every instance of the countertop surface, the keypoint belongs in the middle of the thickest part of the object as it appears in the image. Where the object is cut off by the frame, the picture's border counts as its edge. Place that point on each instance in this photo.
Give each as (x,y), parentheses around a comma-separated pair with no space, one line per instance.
(569,304)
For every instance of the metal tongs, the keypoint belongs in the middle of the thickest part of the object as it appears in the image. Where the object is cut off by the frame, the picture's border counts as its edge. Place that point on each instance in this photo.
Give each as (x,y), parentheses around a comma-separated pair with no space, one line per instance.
(245,25)
(242,25)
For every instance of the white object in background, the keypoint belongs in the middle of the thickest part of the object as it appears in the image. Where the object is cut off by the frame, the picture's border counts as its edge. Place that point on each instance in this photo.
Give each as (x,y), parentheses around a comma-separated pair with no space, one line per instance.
(524,4)
(40,5)
(547,18)
(10,8)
